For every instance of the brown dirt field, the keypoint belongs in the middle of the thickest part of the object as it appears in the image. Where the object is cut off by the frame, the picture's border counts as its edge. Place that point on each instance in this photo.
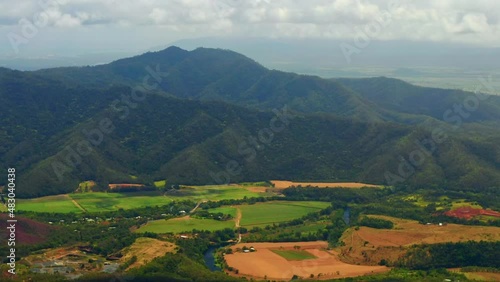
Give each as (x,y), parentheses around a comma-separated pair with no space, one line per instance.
(470,212)
(257,189)
(265,263)
(482,276)
(390,244)
(146,249)
(124,185)
(282,184)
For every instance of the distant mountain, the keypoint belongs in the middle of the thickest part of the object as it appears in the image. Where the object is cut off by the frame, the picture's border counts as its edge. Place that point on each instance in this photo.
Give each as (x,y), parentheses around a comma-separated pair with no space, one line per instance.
(222,75)
(218,116)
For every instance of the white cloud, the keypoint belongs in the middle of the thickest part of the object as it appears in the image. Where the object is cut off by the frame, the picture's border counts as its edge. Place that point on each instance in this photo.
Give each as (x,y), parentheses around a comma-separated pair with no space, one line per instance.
(465,21)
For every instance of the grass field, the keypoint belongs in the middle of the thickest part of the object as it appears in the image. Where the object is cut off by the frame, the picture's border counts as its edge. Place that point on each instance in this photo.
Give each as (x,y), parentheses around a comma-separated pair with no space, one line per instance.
(97,202)
(57,204)
(185,224)
(294,254)
(262,214)
(225,210)
(100,201)
(215,192)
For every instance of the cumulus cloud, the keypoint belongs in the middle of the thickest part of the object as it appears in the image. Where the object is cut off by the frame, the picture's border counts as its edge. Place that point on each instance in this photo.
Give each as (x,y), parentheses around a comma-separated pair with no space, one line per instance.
(443,20)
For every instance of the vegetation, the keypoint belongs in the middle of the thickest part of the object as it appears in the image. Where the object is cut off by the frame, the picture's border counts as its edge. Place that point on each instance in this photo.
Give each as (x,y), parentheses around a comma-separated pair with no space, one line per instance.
(185,225)
(450,255)
(294,254)
(276,211)
(376,223)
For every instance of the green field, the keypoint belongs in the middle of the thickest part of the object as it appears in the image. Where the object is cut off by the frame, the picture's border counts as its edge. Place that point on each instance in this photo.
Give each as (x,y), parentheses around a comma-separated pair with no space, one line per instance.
(262,214)
(97,202)
(179,225)
(101,201)
(225,210)
(214,192)
(294,254)
(57,204)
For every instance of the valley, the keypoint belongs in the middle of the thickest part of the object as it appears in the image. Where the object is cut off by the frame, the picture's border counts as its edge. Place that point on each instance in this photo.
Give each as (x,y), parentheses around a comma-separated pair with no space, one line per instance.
(229,171)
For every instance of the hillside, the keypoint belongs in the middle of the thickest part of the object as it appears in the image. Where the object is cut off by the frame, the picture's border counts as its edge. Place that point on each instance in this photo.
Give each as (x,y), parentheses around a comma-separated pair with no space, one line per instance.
(68,125)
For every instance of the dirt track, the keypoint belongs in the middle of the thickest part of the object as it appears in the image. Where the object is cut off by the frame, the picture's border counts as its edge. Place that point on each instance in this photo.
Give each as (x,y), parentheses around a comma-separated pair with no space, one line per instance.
(265,263)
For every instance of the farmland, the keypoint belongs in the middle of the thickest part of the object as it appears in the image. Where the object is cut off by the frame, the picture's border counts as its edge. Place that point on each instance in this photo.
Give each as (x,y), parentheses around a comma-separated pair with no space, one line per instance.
(260,214)
(370,245)
(282,184)
(57,204)
(321,263)
(100,201)
(185,224)
(294,254)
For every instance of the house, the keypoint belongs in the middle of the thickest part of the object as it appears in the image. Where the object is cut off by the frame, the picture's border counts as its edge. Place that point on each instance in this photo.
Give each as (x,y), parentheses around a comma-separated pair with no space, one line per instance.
(184,237)
(246,251)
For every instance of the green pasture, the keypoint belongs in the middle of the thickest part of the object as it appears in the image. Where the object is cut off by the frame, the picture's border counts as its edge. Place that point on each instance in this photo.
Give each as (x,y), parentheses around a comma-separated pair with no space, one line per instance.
(56,204)
(101,201)
(294,254)
(225,210)
(262,214)
(213,192)
(97,202)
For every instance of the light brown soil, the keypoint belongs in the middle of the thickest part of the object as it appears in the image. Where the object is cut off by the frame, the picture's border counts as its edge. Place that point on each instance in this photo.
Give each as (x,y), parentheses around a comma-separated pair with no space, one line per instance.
(257,189)
(266,264)
(146,249)
(370,245)
(281,184)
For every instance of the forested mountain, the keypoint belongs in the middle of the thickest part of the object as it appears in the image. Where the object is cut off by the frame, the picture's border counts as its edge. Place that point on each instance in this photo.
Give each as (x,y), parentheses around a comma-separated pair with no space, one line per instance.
(218,116)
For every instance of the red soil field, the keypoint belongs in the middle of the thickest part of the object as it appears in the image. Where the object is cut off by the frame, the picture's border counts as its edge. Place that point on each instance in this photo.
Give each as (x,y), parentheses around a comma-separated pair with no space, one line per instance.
(470,212)
(28,231)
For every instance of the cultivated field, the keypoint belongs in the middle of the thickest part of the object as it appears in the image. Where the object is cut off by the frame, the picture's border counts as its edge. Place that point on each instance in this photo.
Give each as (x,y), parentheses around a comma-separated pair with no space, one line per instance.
(184,224)
(100,201)
(281,184)
(262,214)
(259,214)
(322,264)
(370,245)
(57,204)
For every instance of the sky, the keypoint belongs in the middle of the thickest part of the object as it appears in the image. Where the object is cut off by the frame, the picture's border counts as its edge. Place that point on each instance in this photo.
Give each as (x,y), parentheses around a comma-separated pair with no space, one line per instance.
(66,27)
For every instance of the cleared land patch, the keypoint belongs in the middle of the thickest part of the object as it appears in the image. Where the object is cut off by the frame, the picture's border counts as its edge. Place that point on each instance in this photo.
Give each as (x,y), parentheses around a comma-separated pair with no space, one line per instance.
(264,262)
(370,245)
(145,250)
(282,184)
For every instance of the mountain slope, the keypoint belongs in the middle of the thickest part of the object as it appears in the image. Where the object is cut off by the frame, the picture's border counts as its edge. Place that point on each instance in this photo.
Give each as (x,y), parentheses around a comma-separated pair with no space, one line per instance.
(193,142)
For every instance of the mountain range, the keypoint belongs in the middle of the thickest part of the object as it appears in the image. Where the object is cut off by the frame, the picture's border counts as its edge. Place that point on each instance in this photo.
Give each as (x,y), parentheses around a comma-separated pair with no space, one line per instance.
(215,116)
